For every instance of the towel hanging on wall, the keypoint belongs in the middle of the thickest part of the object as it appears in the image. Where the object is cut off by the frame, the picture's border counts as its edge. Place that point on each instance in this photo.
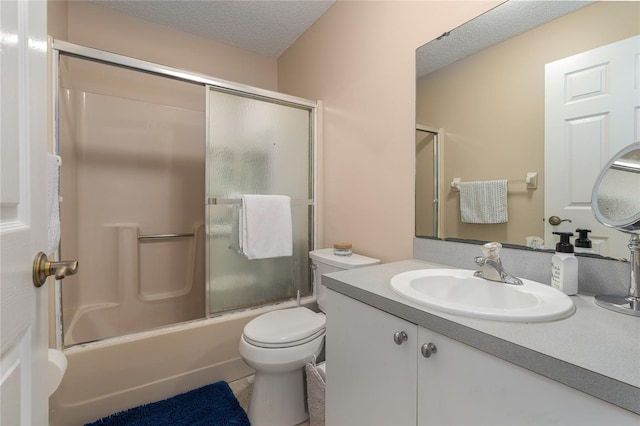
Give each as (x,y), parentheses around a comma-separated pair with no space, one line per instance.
(484,202)
(266,228)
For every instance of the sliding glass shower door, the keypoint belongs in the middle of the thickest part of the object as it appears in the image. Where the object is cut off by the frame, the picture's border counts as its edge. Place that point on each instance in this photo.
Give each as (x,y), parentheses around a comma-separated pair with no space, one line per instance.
(132,181)
(256,145)
(142,146)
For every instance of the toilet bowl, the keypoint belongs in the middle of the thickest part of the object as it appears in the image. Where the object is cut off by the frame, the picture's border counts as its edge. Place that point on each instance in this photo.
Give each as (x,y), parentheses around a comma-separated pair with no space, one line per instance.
(278,344)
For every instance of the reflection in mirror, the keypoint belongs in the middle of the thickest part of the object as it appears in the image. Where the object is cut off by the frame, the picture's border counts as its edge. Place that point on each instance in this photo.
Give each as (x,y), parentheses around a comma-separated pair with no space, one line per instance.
(616,203)
(618,192)
(490,107)
(427,181)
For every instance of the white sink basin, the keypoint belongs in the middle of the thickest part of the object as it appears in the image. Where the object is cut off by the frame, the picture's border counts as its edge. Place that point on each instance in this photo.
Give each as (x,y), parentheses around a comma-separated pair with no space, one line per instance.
(459,292)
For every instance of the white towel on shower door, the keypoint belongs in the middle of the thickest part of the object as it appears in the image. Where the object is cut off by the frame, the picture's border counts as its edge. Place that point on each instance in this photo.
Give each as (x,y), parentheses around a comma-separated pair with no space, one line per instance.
(266,228)
(484,201)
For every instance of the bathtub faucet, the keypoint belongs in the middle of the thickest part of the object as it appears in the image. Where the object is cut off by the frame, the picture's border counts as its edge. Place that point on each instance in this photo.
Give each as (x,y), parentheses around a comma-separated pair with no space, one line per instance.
(492,265)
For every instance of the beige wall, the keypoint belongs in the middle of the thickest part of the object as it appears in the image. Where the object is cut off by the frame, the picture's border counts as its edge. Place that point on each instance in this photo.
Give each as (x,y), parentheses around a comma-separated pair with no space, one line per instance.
(491,106)
(57,19)
(105,29)
(359,59)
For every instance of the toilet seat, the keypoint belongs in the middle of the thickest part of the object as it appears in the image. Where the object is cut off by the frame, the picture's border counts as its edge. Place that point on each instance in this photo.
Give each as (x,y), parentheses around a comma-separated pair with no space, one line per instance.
(285,328)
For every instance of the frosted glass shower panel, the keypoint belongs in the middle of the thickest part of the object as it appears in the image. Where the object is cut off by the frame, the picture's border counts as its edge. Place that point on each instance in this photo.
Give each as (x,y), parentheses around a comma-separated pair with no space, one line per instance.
(256,146)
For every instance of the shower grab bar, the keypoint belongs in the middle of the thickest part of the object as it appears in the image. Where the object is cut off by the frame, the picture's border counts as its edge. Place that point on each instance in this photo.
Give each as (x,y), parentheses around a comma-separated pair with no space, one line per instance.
(220,201)
(164,236)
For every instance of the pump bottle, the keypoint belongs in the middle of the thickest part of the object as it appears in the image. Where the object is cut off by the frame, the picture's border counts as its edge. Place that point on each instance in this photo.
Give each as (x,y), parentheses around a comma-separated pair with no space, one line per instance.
(583,243)
(564,266)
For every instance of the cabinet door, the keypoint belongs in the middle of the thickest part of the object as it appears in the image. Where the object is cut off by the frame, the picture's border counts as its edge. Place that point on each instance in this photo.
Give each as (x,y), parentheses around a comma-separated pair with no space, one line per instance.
(461,385)
(371,380)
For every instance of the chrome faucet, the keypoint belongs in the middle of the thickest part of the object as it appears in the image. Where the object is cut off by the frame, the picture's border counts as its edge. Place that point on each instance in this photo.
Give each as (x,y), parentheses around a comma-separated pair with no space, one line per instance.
(492,265)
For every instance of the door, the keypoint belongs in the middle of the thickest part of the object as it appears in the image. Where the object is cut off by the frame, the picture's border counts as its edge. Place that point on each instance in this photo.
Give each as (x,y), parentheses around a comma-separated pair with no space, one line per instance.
(591,112)
(23,143)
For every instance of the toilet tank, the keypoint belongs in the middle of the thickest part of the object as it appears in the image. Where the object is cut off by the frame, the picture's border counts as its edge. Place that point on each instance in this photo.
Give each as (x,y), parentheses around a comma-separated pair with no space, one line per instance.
(324,261)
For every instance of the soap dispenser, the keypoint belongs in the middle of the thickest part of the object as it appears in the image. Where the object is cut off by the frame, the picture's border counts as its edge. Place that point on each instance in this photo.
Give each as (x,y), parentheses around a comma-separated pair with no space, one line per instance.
(564,266)
(583,243)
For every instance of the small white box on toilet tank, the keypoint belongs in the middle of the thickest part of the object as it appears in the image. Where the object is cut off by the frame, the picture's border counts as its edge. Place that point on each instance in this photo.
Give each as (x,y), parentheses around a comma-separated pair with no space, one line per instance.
(324,262)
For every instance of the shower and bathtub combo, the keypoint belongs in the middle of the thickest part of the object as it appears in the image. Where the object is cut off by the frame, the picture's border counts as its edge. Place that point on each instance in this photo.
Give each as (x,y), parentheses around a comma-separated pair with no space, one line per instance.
(154,163)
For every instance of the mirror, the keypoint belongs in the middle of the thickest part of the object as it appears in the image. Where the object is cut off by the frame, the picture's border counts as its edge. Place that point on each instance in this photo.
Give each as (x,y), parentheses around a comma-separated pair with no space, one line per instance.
(616,194)
(489,104)
(616,203)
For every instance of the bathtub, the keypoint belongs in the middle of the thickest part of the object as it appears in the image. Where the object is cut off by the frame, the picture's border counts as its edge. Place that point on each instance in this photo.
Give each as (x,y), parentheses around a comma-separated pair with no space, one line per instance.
(115,374)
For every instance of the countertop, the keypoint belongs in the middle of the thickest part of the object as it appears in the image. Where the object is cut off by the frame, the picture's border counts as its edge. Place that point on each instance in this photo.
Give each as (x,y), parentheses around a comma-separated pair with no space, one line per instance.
(596,351)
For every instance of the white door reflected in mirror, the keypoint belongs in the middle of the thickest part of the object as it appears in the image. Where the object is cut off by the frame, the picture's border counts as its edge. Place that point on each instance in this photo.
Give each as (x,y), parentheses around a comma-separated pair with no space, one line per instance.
(584,127)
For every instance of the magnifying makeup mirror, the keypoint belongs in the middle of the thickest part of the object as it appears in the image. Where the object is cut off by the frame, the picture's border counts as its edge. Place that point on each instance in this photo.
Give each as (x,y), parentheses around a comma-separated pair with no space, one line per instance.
(615,201)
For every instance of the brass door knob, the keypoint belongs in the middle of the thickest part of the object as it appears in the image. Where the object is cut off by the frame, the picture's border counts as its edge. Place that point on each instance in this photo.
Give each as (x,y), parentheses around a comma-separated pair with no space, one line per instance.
(555,220)
(42,268)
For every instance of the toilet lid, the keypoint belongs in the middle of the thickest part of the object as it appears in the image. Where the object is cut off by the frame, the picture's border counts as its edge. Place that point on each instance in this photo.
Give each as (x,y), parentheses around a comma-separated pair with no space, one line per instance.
(285,327)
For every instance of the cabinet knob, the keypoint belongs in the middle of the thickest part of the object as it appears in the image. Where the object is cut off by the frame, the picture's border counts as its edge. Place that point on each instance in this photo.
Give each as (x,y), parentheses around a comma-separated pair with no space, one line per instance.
(428,349)
(399,337)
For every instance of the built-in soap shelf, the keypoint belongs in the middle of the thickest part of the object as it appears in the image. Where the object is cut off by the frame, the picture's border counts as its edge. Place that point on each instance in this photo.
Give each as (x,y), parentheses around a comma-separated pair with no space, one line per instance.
(531,180)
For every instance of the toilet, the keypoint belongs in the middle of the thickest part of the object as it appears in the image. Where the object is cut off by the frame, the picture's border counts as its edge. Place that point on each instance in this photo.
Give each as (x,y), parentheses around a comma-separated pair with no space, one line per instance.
(278,344)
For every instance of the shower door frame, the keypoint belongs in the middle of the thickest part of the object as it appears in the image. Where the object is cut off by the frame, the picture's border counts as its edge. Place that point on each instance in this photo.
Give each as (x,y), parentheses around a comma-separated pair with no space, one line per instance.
(60,47)
(437,150)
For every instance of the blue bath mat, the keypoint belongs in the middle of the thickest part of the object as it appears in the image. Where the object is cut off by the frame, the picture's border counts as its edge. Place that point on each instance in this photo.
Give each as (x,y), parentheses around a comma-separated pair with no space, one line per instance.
(211,405)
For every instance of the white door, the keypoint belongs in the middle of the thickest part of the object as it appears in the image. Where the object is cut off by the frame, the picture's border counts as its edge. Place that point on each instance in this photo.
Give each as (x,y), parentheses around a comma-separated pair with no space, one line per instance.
(592,105)
(23,144)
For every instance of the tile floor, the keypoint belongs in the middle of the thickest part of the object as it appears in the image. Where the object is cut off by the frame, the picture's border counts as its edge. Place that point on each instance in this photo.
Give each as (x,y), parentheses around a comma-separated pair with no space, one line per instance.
(242,390)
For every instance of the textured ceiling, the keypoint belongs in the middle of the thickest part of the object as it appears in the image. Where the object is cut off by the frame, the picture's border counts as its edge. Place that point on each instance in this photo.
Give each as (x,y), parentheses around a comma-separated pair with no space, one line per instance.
(498,24)
(266,27)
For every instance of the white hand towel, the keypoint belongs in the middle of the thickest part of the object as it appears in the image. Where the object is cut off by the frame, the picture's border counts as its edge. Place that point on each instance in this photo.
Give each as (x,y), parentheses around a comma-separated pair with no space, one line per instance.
(266,228)
(53,202)
(484,201)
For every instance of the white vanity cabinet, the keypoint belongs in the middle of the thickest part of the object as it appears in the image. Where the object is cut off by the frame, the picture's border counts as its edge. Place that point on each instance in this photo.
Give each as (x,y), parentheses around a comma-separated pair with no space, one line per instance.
(372,380)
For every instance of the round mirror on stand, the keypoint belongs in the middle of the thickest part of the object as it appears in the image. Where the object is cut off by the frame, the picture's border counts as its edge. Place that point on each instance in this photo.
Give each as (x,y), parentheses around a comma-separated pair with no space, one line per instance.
(616,203)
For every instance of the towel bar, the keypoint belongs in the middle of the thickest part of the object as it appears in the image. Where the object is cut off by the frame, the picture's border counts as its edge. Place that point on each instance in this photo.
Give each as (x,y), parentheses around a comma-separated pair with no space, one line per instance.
(220,201)
(164,236)
(531,180)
